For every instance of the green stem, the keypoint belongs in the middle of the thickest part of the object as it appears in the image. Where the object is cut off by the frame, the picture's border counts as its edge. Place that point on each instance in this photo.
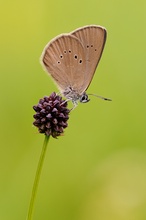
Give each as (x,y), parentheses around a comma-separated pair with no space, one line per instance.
(37,178)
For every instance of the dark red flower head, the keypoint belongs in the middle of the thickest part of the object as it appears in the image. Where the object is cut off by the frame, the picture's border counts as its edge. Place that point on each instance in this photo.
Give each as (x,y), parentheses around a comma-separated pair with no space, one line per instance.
(51,115)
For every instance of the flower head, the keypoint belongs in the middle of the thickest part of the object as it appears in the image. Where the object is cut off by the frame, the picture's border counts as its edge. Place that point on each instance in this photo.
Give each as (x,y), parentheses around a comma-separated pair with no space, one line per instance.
(51,115)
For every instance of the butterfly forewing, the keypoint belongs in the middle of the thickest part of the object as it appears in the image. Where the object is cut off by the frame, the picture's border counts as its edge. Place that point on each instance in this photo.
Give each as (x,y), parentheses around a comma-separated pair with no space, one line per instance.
(93,39)
(64,58)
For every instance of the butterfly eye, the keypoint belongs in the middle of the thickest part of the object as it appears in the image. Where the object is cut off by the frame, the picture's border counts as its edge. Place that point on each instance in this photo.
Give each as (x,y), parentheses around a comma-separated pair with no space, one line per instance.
(87,46)
(91,45)
(76,56)
(58,62)
(64,51)
(80,61)
(84,98)
(69,51)
(61,56)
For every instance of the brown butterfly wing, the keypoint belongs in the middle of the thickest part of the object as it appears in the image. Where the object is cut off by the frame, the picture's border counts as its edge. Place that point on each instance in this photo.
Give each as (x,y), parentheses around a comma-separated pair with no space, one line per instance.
(93,39)
(64,60)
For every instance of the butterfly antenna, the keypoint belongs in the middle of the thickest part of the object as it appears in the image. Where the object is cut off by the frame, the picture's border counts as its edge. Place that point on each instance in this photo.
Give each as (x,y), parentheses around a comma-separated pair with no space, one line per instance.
(101,97)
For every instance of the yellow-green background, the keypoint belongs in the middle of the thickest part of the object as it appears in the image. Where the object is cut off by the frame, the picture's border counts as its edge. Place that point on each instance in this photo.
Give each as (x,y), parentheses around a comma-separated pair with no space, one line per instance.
(97,170)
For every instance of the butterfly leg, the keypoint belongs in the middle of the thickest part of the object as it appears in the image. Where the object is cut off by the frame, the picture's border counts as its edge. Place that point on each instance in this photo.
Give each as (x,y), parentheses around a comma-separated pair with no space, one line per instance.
(75,103)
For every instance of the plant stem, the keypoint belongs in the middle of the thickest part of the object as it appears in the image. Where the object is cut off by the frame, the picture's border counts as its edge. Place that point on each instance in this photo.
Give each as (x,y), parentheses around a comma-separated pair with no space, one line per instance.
(37,178)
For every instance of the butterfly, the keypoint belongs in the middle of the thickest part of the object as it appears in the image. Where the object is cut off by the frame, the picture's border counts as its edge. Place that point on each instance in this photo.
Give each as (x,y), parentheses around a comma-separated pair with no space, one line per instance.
(71,60)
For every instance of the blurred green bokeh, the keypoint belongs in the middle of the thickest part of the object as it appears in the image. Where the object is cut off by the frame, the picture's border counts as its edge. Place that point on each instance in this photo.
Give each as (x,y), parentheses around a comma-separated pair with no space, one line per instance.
(97,170)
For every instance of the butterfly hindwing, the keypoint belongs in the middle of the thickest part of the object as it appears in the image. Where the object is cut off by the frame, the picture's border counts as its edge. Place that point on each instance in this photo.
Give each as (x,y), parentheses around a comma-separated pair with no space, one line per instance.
(64,60)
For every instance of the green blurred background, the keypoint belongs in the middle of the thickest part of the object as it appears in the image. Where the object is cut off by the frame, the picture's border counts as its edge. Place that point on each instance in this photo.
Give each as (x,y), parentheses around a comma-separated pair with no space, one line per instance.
(97,170)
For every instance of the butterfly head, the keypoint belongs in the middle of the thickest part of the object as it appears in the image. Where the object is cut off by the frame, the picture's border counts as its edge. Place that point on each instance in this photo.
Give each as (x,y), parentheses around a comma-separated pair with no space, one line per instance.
(74,96)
